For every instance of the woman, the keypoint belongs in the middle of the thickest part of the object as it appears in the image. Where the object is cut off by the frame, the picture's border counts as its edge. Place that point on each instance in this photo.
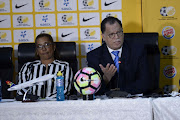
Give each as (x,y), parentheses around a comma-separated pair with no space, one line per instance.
(47,63)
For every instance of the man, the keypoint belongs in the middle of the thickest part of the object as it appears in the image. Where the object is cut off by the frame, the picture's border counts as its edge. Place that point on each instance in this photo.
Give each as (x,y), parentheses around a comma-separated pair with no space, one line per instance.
(127,70)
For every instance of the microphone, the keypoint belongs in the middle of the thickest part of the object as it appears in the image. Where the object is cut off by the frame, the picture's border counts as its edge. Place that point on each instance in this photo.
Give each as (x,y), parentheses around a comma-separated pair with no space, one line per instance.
(119,61)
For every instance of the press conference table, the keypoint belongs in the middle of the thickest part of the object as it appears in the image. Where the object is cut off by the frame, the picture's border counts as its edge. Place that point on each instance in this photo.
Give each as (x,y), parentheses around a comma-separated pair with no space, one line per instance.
(106,109)
(100,109)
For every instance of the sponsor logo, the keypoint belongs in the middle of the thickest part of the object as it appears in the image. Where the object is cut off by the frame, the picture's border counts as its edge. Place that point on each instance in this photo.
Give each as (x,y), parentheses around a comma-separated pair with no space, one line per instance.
(2,20)
(66,2)
(168,32)
(23,35)
(22,19)
(44,31)
(3,35)
(45,18)
(66,6)
(167,11)
(111,14)
(107,4)
(44,3)
(169,71)
(88,2)
(169,50)
(67,18)
(85,20)
(169,88)
(65,35)
(2,4)
(19,6)
(90,47)
(89,32)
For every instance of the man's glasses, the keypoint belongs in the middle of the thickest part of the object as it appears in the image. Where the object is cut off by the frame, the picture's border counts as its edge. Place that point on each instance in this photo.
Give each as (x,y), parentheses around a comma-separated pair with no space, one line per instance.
(112,35)
(46,45)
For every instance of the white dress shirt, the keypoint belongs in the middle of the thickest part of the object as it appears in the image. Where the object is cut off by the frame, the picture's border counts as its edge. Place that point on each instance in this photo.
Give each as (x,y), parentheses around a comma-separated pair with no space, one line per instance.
(112,55)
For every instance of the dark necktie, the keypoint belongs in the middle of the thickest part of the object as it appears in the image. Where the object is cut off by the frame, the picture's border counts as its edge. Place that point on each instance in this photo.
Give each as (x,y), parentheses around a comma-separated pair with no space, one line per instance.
(116,60)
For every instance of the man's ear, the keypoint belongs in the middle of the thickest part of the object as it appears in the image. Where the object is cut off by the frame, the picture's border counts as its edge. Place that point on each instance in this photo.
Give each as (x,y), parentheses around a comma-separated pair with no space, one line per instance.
(103,36)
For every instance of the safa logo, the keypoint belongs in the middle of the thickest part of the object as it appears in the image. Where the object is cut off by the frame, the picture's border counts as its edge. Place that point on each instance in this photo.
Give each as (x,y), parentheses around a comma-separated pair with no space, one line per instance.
(44,3)
(168,32)
(111,15)
(167,11)
(2,4)
(88,2)
(169,50)
(22,19)
(67,18)
(89,32)
(169,71)
(3,35)
(46,31)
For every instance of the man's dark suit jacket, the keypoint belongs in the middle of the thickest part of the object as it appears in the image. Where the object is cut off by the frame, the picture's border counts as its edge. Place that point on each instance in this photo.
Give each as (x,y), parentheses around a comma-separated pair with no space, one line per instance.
(133,72)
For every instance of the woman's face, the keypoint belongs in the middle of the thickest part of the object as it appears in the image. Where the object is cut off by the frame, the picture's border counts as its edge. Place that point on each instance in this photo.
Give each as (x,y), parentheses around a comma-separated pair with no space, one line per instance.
(45,48)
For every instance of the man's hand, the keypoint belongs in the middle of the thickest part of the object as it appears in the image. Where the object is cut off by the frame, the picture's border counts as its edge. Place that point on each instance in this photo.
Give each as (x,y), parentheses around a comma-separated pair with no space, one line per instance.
(108,71)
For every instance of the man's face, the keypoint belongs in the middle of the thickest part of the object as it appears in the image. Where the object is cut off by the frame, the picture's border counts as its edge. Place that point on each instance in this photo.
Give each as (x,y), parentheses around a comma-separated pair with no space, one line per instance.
(113,35)
(45,48)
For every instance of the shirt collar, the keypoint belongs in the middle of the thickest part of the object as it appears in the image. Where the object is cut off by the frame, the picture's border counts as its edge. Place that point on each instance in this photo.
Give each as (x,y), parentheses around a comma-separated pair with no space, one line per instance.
(40,63)
(110,51)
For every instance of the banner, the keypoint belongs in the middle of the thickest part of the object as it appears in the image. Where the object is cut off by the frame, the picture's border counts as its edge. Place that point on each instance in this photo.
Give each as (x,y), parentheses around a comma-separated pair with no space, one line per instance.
(66,20)
(164,18)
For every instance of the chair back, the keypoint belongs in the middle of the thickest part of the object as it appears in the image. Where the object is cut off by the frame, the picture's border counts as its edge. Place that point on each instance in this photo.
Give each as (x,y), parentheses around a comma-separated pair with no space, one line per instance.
(66,50)
(150,41)
(6,70)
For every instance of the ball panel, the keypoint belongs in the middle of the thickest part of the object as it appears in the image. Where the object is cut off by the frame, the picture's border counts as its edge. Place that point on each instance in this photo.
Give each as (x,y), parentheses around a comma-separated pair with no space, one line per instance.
(88,91)
(82,80)
(76,87)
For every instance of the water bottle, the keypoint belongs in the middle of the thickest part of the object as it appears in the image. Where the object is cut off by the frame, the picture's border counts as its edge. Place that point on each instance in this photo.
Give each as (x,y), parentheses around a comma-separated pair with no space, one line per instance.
(0,91)
(60,87)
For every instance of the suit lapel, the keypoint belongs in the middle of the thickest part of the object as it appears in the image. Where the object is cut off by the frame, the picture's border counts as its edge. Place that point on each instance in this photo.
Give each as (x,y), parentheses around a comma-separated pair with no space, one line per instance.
(106,56)
(125,56)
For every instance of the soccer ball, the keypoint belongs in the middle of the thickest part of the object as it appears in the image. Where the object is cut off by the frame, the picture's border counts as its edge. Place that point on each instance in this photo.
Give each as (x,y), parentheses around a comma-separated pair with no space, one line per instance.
(87,81)
(85,2)
(87,32)
(19,19)
(165,50)
(64,18)
(163,11)
(41,4)
(109,15)
(169,88)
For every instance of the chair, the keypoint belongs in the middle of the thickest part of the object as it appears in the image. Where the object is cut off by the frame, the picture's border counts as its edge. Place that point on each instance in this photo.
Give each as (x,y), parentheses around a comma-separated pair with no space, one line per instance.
(6,70)
(67,51)
(150,41)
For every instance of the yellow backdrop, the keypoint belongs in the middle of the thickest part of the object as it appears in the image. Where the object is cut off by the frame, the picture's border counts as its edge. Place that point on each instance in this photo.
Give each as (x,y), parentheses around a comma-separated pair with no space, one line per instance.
(164,18)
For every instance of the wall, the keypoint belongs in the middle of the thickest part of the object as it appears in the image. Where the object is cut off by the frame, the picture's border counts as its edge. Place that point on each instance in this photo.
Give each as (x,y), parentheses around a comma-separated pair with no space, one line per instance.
(66,20)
